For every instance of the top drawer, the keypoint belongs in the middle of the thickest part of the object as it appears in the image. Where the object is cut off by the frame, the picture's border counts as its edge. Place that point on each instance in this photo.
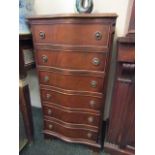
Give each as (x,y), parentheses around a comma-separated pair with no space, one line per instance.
(72,34)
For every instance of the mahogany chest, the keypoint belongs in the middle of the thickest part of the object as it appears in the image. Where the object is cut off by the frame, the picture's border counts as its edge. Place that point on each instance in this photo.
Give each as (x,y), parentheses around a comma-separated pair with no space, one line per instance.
(72,54)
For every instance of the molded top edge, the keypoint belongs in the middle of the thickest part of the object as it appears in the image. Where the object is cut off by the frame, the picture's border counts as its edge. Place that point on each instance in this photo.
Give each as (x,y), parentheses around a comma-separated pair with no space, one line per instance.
(81,15)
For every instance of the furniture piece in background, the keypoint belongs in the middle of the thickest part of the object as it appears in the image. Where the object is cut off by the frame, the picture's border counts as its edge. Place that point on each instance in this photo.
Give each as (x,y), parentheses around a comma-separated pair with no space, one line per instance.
(120,136)
(26,52)
(22,134)
(25,42)
(72,56)
(25,109)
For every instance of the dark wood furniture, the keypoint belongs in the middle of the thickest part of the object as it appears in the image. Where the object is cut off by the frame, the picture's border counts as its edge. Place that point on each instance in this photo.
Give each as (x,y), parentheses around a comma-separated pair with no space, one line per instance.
(25,41)
(72,54)
(26,53)
(25,108)
(120,136)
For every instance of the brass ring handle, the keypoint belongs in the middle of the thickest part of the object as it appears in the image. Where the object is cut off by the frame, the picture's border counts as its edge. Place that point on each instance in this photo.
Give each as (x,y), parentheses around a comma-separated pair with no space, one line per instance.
(96,61)
(44,58)
(89,135)
(48,96)
(50,126)
(91,119)
(46,79)
(98,35)
(42,35)
(49,111)
(92,103)
(93,83)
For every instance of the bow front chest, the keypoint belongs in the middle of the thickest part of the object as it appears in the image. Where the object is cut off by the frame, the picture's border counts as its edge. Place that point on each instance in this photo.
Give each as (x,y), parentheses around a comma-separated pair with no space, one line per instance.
(72,54)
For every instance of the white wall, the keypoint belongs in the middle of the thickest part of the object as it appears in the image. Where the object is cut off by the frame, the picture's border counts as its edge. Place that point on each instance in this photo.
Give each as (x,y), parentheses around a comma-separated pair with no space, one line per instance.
(120,7)
(101,6)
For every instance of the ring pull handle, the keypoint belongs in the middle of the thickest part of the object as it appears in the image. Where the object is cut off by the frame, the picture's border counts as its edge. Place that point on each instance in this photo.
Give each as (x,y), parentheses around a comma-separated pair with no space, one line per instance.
(92,103)
(46,79)
(50,126)
(42,35)
(44,58)
(91,119)
(49,111)
(93,84)
(96,61)
(48,96)
(98,35)
(89,134)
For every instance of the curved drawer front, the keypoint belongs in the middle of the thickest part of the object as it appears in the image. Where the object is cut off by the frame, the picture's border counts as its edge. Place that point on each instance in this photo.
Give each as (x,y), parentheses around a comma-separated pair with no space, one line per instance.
(72,101)
(68,116)
(72,59)
(71,82)
(72,34)
(70,132)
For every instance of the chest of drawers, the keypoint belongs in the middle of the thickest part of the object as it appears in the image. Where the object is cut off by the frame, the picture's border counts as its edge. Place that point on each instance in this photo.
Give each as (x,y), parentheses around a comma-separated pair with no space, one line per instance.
(72,54)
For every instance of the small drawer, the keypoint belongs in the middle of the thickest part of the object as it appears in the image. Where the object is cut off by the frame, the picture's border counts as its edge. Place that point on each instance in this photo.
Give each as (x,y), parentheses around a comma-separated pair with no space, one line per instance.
(71,116)
(81,60)
(71,100)
(69,131)
(74,81)
(72,34)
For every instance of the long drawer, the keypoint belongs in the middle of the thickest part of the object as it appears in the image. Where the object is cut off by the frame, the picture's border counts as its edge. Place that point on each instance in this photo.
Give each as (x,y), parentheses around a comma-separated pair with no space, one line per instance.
(77,82)
(71,116)
(71,100)
(72,34)
(81,60)
(72,132)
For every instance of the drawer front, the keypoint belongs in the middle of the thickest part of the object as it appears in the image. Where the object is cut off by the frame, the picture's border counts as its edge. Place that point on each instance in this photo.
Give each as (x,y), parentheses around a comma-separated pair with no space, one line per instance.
(72,34)
(72,60)
(72,101)
(69,116)
(69,131)
(71,82)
